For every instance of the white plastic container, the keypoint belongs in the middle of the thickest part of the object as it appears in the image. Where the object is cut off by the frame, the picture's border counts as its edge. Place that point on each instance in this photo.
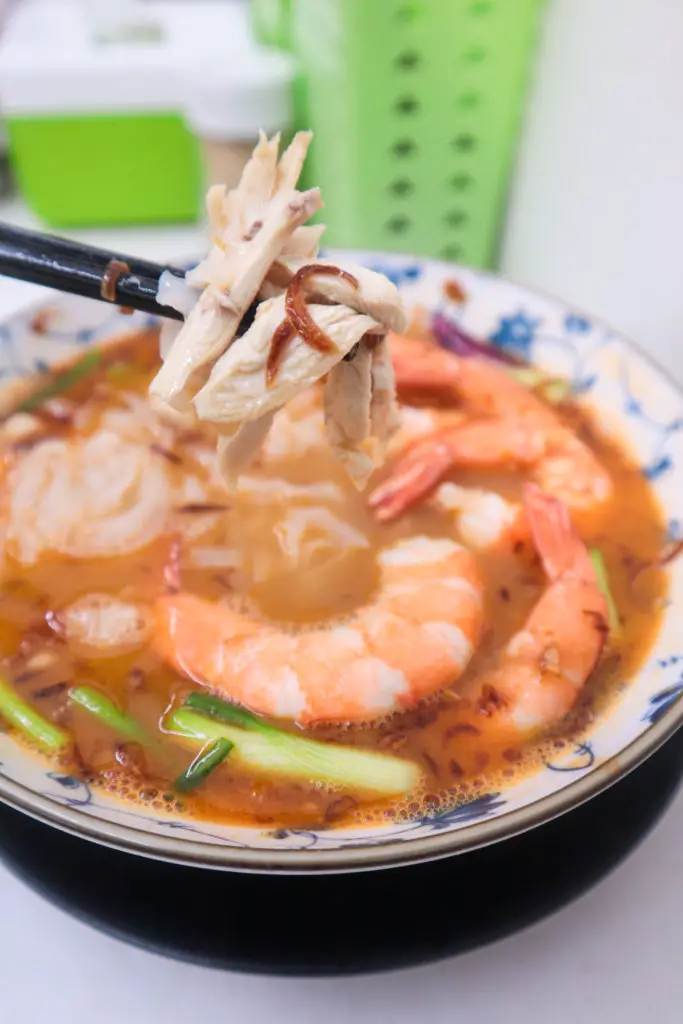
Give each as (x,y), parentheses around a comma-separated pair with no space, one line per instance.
(126,21)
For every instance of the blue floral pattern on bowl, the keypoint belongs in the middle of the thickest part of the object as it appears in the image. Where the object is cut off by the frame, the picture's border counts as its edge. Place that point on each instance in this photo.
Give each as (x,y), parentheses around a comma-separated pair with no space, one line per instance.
(634,400)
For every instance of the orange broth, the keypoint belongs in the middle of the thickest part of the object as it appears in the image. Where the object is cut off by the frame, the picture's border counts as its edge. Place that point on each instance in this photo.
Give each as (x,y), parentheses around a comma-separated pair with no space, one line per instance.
(460,754)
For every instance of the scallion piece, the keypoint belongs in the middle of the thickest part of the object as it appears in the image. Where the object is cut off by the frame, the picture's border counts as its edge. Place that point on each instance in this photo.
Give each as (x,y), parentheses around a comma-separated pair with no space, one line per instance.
(556,391)
(231,713)
(552,389)
(526,375)
(204,763)
(62,382)
(275,751)
(22,716)
(118,371)
(100,707)
(603,582)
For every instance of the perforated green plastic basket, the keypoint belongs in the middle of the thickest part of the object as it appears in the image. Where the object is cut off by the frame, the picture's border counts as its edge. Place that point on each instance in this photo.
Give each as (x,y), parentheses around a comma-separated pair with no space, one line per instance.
(271,21)
(416,108)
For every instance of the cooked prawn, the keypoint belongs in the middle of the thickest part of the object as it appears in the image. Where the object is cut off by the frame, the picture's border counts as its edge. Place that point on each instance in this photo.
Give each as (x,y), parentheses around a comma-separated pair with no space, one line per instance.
(485,520)
(413,639)
(543,667)
(513,428)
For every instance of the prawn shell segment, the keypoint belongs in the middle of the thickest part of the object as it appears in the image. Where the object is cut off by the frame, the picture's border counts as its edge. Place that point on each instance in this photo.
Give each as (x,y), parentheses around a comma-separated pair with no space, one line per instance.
(415,638)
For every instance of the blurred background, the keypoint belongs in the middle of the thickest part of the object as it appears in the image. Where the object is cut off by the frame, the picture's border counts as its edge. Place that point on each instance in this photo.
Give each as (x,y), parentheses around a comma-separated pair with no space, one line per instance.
(535,137)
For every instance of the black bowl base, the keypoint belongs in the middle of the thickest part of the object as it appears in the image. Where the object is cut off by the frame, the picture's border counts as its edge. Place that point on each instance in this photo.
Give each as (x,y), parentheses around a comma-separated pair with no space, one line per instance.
(348,923)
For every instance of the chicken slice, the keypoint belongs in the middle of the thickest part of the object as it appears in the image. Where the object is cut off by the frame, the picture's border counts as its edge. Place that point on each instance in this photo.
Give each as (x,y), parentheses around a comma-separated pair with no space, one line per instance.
(251,226)
(237,452)
(346,402)
(304,243)
(385,414)
(237,390)
(349,392)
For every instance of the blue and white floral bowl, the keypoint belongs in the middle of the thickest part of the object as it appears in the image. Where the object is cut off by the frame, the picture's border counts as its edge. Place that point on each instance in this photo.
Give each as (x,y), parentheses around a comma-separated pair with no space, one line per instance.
(634,399)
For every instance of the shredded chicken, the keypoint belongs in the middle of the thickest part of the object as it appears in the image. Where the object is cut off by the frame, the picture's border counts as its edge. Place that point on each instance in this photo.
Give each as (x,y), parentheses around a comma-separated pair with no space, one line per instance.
(237,452)
(385,414)
(269,489)
(250,228)
(347,402)
(314,319)
(307,534)
(236,391)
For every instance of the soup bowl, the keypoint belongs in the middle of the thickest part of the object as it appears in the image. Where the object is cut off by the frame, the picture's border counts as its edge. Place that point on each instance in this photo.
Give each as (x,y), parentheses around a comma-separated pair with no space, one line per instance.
(634,401)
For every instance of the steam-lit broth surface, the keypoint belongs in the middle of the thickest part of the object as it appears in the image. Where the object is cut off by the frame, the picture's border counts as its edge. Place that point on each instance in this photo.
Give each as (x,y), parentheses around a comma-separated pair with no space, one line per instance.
(242,549)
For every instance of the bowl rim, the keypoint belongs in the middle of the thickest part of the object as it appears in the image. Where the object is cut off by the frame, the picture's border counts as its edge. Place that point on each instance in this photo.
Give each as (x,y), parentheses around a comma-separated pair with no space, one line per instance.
(389,854)
(380,855)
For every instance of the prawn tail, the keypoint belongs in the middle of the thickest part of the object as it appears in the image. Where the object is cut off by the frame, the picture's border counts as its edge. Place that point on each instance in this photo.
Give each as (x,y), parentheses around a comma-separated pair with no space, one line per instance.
(556,540)
(414,476)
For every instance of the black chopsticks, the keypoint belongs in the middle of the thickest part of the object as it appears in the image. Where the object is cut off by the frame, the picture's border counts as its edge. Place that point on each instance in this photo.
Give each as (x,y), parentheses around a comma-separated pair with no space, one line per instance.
(83,270)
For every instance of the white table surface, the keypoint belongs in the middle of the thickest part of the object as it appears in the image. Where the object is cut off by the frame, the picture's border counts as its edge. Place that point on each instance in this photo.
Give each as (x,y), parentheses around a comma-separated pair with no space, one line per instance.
(616,953)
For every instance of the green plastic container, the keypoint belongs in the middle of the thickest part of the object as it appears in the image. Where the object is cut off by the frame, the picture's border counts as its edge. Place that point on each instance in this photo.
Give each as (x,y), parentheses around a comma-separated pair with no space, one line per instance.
(271,21)
(416,108)
(107,169)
